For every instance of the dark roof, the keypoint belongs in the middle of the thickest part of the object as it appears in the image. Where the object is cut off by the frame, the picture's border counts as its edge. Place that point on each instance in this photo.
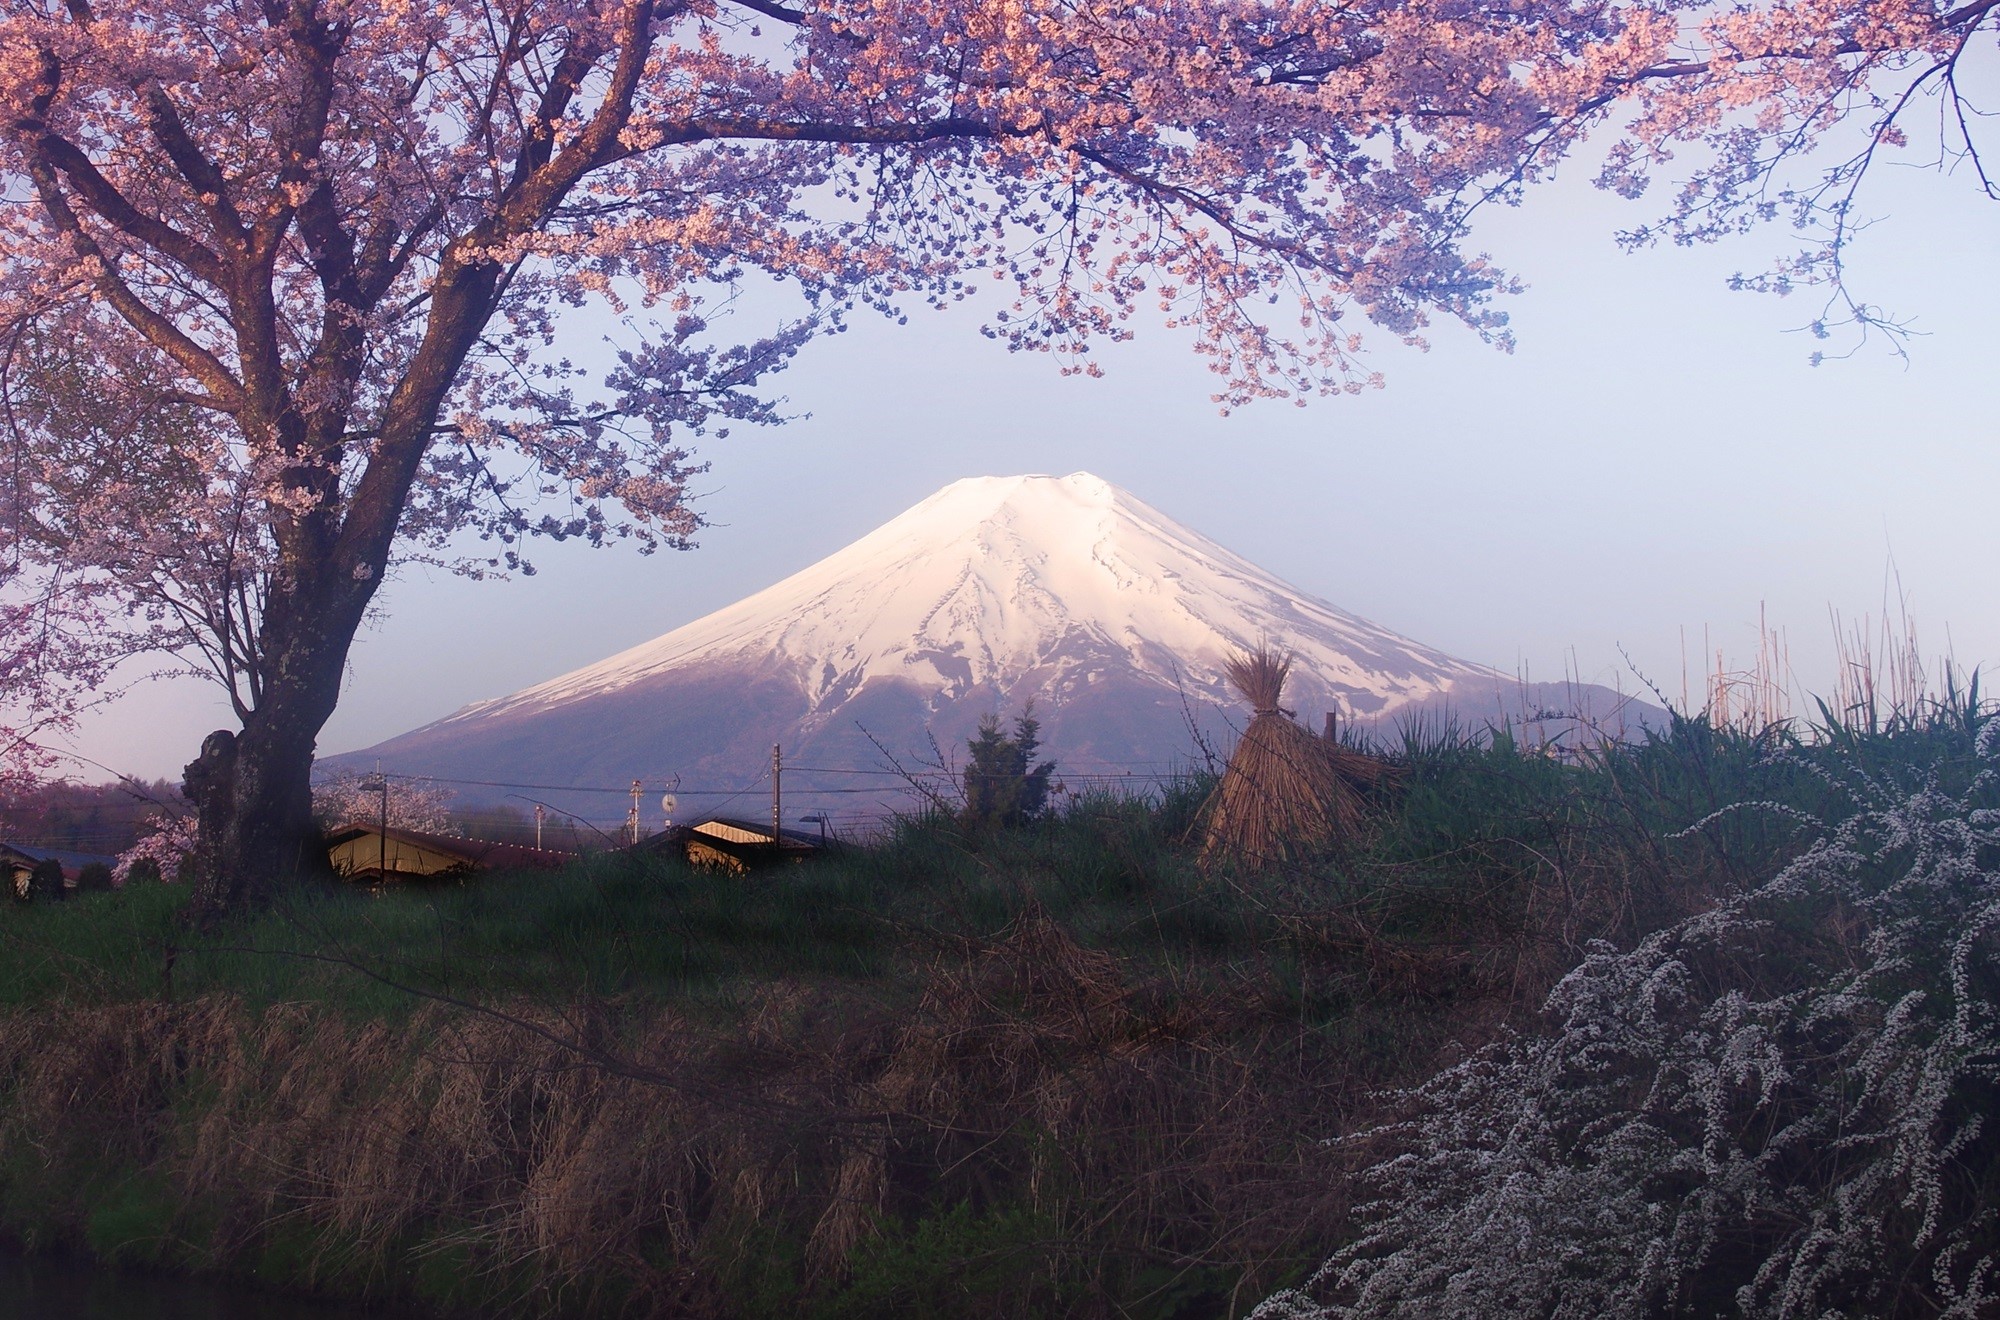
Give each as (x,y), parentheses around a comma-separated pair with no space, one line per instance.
(72,862)
(481,853)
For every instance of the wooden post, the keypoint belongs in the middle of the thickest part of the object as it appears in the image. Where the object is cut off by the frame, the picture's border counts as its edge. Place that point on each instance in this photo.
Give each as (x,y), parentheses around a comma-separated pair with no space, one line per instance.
(1331,727)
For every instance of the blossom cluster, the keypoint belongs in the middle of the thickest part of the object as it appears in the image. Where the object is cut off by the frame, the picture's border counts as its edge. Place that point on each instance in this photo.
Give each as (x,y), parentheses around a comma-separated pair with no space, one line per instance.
(167,844)
(348,797)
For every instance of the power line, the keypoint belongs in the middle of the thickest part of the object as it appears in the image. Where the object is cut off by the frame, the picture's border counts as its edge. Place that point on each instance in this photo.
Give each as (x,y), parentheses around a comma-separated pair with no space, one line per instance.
(669,784)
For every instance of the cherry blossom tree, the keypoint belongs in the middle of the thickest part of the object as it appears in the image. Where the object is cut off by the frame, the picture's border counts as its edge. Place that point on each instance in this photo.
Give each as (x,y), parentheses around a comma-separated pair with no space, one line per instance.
(165,848)
(281,280)
(349,797)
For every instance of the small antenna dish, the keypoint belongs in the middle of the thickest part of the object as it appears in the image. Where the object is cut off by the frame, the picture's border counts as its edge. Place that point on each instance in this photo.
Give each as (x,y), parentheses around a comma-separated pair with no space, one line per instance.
(668,803)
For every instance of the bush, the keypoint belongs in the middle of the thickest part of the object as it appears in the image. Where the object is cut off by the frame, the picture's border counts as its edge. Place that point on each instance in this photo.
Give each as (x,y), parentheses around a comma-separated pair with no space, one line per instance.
(46,883)
(1776,1108)
(94,878)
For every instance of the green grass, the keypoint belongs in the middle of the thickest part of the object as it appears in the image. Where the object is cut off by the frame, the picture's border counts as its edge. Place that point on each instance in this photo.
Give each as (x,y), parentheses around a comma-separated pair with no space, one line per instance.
(1482,829)
(626,927)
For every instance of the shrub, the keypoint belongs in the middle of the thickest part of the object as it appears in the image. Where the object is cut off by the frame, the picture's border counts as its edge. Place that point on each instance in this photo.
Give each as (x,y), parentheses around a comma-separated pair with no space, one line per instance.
(45,882)
(1779,1107)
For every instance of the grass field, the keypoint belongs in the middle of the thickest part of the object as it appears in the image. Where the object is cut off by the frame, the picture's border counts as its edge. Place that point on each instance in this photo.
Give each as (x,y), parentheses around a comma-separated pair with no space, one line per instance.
(1052,1070)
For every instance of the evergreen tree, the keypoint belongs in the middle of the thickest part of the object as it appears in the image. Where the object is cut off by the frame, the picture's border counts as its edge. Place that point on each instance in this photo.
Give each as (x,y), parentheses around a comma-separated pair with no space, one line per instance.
(1004,788)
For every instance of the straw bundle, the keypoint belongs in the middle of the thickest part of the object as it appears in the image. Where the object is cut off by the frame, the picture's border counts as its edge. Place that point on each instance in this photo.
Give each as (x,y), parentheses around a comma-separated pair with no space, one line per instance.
(1286,794)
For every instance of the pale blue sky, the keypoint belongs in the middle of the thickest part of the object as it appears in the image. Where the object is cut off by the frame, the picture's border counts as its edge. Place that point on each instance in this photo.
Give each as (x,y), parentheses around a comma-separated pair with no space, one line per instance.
(1657,455)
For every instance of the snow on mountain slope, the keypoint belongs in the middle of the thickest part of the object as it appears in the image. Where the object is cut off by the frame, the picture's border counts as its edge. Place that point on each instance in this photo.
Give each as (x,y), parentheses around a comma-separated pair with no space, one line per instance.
(996,576)
(1111,618)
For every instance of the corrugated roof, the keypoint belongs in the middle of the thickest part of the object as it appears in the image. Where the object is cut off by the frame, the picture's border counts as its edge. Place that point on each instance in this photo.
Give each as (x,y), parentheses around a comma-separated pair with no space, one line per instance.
(751,831)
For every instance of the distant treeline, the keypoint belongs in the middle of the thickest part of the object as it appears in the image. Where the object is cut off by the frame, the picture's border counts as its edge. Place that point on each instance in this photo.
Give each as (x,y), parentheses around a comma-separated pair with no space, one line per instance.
(87,818)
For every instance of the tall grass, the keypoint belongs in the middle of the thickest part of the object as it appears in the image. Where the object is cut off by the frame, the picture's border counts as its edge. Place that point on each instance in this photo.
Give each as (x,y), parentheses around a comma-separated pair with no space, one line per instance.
(1046,1071)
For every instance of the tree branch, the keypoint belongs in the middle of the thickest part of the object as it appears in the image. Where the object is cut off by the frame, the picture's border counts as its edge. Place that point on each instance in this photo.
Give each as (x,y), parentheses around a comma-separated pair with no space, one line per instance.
(688,131)
(200,172)
(63,157)
(771,9)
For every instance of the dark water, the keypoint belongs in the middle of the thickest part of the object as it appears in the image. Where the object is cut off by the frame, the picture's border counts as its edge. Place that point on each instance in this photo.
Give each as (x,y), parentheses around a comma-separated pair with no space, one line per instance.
(39,1288)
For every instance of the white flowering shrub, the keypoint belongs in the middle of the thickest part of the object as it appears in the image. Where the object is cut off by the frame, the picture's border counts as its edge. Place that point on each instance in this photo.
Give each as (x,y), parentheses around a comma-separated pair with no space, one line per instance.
(1788,1106)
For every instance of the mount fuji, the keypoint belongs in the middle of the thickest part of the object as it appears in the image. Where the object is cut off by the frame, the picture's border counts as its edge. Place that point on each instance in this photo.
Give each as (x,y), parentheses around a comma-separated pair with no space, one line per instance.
(1112,618)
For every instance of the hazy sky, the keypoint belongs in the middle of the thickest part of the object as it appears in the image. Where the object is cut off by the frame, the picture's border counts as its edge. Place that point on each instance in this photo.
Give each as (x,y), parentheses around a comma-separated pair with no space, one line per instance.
(1656,457)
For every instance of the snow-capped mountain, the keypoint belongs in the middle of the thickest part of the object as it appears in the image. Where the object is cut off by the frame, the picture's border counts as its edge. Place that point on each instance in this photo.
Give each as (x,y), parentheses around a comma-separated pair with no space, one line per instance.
(1111,617)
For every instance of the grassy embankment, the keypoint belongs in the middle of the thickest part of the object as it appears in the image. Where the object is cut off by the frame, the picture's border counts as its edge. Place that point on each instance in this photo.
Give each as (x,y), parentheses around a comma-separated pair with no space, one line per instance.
(1049,1072)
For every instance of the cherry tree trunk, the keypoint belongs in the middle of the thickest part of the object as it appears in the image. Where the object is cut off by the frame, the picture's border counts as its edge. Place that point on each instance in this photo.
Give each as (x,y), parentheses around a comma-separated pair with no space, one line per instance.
(253,795)
(252,791)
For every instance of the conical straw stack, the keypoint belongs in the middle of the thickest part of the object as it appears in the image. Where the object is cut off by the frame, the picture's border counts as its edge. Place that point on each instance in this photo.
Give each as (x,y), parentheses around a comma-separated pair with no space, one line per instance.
(1284,796)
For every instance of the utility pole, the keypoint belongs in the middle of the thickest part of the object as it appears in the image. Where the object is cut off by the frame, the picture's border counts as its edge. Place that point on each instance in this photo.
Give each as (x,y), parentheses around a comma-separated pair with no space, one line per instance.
(777,774)
(632,820)
(541,813)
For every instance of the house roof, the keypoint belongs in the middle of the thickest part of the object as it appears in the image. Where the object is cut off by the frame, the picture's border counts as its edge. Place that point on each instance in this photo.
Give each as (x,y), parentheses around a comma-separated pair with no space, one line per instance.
(481,853)
(732,829)
(741,831)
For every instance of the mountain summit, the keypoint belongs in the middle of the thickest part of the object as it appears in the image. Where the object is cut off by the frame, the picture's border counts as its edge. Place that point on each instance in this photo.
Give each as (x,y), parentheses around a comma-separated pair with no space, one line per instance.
(1016,588)
(1113,619)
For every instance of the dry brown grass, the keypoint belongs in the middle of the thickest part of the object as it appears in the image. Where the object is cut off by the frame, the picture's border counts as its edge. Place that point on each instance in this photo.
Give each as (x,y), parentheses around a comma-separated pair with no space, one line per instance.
(1141,1125)
(1287,795)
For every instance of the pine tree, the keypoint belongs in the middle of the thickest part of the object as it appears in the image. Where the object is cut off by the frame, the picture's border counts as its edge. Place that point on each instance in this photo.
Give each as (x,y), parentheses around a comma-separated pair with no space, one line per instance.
(1004,788)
